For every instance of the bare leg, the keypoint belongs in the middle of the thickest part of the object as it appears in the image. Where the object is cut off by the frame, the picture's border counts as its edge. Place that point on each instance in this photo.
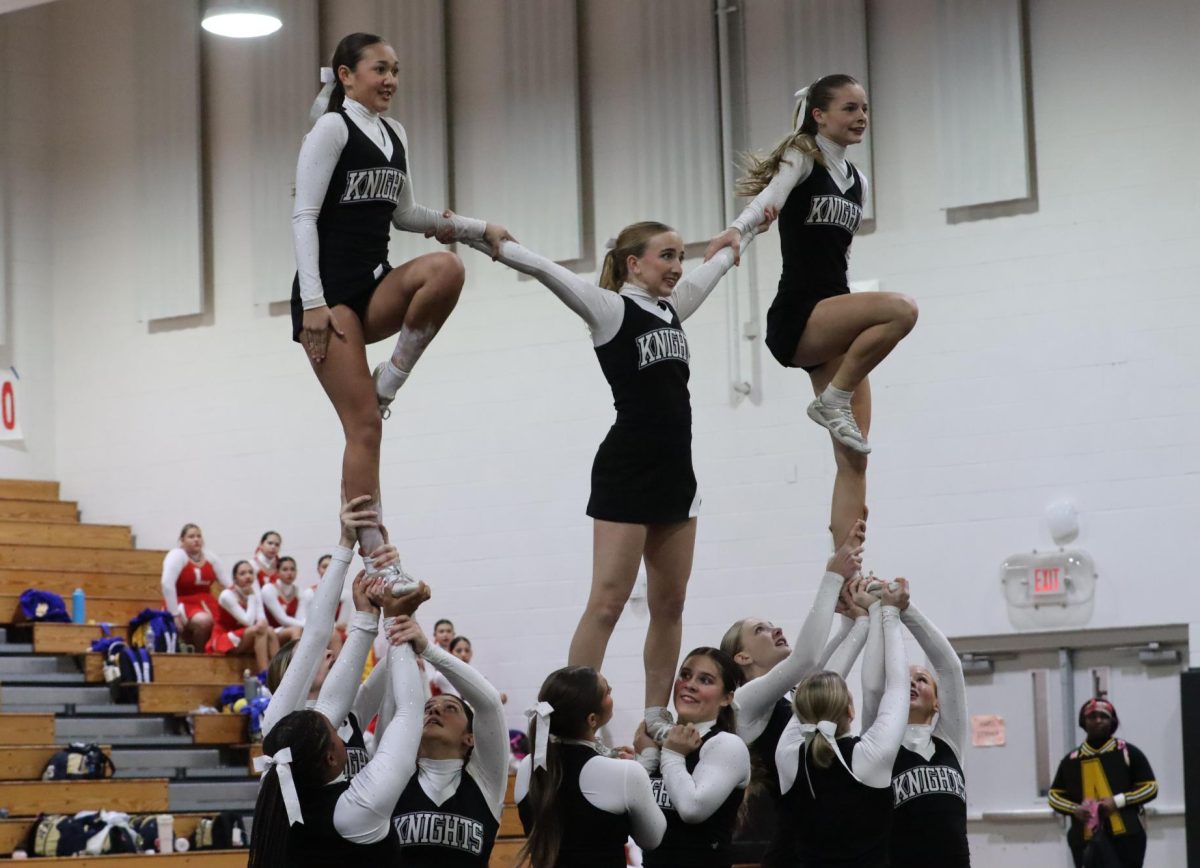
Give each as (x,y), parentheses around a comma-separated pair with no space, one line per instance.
(860,328)
(850,483)
(413,307)
(669,552)
(616,553)
(197,631)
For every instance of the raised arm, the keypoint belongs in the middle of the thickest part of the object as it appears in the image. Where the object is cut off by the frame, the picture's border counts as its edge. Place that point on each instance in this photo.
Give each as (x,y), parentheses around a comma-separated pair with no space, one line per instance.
(724,766)
(341,684)
(368,701)
(697,284)
(601,309)
(488,764)
(841,659)
(364,812)
(875,753)
(793,169)
(951,685)
(172,566)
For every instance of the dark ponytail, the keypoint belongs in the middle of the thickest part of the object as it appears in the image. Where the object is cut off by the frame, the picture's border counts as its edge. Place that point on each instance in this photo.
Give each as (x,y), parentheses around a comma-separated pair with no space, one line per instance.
(308,734)
(575,692)
(348,53)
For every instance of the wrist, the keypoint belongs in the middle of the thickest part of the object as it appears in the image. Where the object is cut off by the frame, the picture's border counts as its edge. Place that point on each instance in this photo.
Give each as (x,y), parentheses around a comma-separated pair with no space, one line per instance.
(314,303)
(366,621)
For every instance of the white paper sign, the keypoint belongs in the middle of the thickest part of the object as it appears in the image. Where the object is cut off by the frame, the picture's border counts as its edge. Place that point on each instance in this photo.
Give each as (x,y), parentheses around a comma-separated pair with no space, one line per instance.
(10,420)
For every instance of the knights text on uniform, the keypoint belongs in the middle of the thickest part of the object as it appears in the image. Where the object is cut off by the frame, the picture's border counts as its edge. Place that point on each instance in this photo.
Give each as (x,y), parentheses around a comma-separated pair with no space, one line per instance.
(928,780)
(660,345)
(660,794)
(373,185)
(433,828)
(835,211)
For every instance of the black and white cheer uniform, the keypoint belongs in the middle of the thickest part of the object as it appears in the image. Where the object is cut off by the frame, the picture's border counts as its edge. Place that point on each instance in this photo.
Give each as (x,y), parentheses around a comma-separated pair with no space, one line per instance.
(449,811)
(842,814)
(821,209)
(348,820)
(600,803)
(928,786)
(353,182)
(642,473)
(763,707)
(700,794)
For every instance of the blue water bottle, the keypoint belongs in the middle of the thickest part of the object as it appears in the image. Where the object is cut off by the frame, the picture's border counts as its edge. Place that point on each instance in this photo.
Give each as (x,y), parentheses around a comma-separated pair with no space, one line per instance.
(77,607)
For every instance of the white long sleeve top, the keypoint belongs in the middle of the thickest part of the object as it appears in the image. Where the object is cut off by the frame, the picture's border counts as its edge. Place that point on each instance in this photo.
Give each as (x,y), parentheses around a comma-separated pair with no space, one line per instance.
(319,155)
(755,699)
(793,170)
(174,562)
(294,687)
(724,766)
(602,309)
(246,610)
(950,725)
(875,752)
(614,786)
(364,812)
(276,596)
(488,763)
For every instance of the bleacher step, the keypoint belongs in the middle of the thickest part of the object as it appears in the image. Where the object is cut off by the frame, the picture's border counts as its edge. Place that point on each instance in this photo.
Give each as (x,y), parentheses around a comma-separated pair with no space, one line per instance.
(109,729)
(14,648)
(145,758)
(33,665)
(82,695)
(214,796)
(33,679)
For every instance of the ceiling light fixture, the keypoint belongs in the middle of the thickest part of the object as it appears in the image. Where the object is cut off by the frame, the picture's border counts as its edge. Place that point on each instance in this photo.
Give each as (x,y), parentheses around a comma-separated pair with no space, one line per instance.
(240,20)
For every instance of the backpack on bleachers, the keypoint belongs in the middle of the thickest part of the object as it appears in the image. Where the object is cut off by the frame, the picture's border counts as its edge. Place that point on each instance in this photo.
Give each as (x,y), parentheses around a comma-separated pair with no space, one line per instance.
(88,832)
(225,831)
(146,826)
(43,606)
(154,630)
(78,761)
(124,667)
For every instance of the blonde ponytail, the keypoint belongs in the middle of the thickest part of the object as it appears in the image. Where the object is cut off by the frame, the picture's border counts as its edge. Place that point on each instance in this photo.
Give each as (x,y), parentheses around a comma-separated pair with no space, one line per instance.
(631,242)
(823,696)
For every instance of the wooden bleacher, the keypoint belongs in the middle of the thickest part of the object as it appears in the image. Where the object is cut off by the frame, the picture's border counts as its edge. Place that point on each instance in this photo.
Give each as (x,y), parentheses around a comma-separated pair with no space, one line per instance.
(44,545)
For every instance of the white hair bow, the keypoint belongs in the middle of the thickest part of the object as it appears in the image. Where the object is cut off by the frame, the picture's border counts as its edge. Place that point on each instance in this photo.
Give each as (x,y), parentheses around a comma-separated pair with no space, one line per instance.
(801,97)
(541,713)
(321,103)
(827,730)
(282,763)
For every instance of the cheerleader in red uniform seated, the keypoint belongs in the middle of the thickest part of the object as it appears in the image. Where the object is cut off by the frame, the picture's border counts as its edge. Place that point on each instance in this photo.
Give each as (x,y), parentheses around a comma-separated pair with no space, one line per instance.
(188,574)
(284,603)
(241,626)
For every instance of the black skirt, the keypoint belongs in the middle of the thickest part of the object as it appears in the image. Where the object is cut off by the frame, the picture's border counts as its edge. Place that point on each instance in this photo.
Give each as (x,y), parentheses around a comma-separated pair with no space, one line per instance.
(644,476)
(354,294)
(788,317)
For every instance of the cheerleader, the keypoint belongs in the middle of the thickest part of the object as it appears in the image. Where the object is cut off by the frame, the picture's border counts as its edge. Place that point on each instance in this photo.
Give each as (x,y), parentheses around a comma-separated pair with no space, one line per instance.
(701,773)
(449,809)
(643,500)
(928,785)
(577,806)
(353,181)
(312,809)
(241,626)
(285,604)
(771,670)
(837,788)
(814,322)
(266,557)
(188,574)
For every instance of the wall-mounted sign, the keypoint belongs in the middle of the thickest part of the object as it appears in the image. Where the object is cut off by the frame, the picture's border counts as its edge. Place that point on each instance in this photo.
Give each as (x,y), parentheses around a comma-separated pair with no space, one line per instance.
(10,419)
(987,730)
(1049,589)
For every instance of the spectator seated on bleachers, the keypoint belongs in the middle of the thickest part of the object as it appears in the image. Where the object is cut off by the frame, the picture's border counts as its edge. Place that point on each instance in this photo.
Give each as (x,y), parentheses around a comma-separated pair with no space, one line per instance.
(286,606)
(241,625)
(266,557)
(188,574)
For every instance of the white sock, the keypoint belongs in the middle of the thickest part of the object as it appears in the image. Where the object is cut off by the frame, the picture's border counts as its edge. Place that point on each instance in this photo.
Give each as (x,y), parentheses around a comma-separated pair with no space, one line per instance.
(390,380)
(834,397)
(657,714)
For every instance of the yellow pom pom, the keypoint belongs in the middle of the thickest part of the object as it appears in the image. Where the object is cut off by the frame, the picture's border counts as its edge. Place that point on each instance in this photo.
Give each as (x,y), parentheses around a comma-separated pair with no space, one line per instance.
(238,706)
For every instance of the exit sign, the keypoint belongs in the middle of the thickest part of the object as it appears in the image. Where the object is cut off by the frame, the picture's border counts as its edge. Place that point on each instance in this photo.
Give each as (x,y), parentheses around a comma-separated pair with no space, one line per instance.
(1047,580)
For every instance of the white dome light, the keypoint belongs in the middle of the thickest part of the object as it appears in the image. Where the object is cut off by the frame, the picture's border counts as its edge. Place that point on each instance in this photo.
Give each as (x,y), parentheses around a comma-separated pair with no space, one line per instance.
(239,21)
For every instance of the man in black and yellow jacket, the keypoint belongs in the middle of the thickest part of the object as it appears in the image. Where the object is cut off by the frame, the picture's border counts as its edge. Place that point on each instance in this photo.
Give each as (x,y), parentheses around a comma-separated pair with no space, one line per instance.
(1108,776)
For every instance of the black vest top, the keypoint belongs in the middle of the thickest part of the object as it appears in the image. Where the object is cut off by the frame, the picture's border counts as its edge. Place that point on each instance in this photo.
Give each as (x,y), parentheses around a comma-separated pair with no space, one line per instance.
(459,832)
(816,225)
(846,823)
(646,365)
(930,798)
(316,843)
(355,220)
(694,845)
(761,817)
(591,838)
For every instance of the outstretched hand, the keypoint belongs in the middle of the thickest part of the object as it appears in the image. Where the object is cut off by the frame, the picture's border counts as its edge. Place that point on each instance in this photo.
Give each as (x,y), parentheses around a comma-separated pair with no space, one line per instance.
(354,515)
(847,560)
(730,238)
